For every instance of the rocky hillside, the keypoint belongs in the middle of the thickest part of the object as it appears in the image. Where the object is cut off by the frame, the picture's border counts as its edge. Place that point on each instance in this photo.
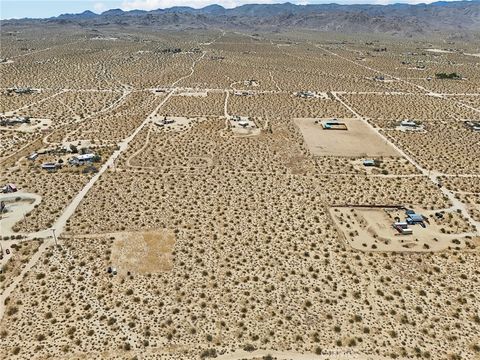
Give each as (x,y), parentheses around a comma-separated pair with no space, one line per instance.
(398,19)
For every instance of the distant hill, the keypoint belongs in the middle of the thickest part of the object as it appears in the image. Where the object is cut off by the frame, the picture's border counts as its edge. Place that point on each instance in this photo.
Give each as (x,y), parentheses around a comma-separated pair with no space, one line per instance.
(458,17)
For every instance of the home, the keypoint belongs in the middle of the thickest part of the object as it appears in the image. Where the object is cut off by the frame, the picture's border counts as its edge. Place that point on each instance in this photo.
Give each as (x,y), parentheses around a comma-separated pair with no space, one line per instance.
(82,159)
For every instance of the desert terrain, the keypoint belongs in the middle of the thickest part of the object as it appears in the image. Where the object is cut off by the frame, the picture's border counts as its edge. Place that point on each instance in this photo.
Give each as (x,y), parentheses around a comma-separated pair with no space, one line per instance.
(230,195)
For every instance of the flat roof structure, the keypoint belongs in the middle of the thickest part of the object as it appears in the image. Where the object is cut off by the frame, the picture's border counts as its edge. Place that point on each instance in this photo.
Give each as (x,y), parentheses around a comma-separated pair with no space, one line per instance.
(416,217)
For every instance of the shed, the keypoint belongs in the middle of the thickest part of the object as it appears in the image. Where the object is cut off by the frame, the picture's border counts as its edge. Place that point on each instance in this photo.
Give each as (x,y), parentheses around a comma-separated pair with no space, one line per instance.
(406,231)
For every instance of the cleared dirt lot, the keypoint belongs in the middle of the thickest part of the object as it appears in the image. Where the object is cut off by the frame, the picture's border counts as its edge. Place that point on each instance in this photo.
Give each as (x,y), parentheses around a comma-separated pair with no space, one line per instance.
(367,229)
(143,252)
(358,140)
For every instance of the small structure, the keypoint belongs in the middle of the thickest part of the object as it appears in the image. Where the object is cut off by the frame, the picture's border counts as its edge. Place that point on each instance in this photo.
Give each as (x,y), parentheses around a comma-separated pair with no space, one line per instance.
(334,124)
(50,166)
(473,125)
(250,82)
(82,159)
(170,51)
(305,94)
(402,228)
(368,162)
(165,121)
(414,218)
(21,90)
(32,156)
(408,123)
(242,93)
(9,188)
(15,121)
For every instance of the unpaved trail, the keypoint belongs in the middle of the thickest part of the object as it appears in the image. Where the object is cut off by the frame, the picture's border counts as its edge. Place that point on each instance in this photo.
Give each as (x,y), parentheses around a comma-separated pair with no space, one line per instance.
(112,106)
(427,91)
(60,223)
(36,102)
(225,105)
(334,354)
(357,115)
(432,176)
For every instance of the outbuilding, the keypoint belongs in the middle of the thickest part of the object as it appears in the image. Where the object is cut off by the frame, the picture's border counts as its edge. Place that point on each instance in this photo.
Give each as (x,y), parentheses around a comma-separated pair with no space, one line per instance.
(9,188)
(408,123)
(32,156)
(82,159)
(415,218)
(50,166)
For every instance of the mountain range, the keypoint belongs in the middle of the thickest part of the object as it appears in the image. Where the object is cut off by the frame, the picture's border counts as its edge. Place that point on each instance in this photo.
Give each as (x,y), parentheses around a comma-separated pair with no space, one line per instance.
(453,18)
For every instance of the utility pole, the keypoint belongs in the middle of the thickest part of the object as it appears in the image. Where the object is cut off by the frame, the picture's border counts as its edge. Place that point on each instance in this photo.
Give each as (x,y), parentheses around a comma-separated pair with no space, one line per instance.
(54,237)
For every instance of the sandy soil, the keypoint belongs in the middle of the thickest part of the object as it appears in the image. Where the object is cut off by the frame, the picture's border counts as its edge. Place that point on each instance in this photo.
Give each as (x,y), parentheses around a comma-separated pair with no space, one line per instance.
(143,253)
(358,140)
(18,205)
(228,245)
(368,229)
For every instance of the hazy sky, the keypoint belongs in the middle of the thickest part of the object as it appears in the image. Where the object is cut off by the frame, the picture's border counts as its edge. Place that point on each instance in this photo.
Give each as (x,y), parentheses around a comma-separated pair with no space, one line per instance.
(41,8)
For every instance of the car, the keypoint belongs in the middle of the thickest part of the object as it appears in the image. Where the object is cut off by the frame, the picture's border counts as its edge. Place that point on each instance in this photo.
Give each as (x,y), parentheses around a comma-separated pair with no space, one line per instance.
(109,270)
(7,251)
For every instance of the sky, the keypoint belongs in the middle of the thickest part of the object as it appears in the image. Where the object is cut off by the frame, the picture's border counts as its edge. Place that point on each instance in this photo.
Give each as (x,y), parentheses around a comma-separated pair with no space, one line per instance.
(47,8)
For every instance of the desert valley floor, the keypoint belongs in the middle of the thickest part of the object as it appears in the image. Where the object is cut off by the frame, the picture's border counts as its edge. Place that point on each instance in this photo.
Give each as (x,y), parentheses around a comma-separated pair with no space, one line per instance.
(201,194)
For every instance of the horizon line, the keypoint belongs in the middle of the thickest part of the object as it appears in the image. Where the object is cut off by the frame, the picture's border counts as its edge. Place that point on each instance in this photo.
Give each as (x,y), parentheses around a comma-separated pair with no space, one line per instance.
(302,4)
